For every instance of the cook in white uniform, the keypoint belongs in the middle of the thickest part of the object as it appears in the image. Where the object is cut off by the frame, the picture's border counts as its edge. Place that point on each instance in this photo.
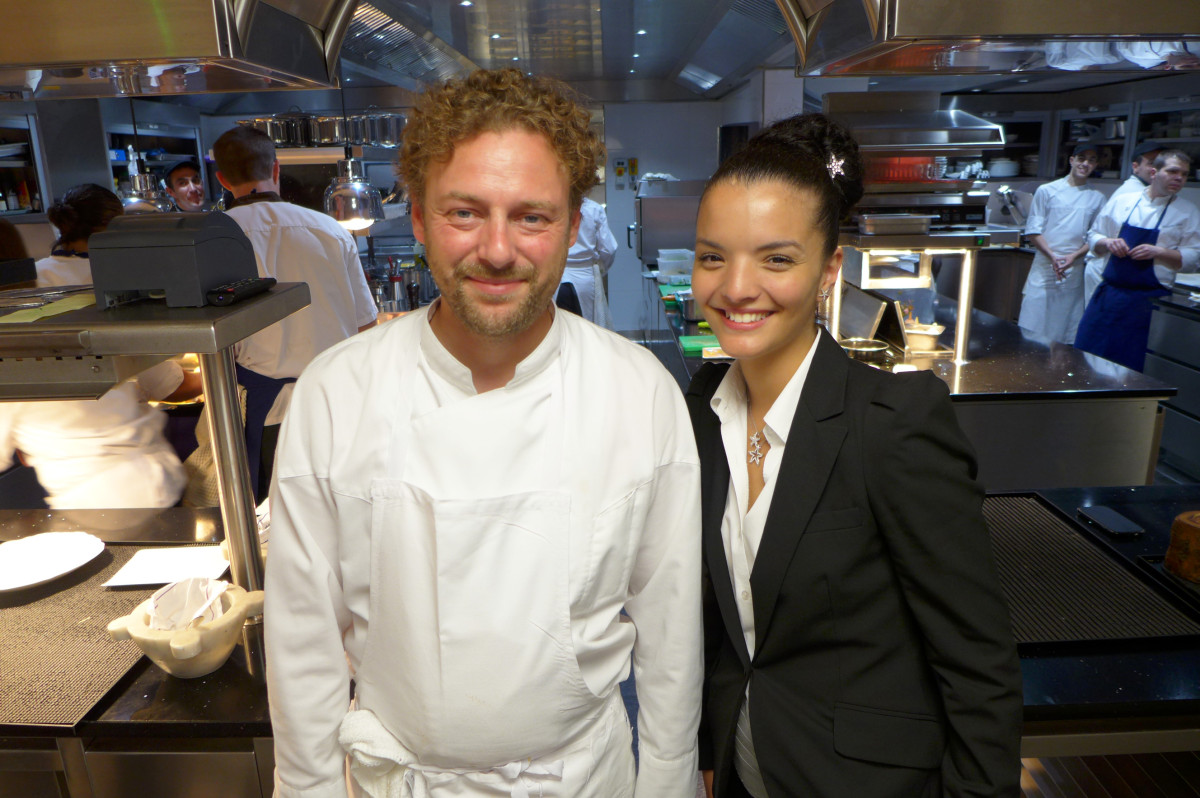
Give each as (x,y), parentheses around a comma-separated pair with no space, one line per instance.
(1057,226)
(291,244)
(589,259)
(467,497)
(107,452)
(1142,169)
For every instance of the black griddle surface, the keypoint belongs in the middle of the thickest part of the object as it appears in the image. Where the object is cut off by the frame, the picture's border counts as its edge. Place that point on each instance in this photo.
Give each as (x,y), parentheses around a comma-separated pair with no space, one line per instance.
(1062,588)
(56,658)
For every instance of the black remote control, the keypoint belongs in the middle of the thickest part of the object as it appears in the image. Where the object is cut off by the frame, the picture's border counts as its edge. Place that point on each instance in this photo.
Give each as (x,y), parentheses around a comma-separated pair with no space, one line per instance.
(237,291)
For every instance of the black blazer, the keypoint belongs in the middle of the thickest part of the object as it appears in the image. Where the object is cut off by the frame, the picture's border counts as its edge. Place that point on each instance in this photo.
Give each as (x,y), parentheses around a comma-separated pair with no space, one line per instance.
(885,661)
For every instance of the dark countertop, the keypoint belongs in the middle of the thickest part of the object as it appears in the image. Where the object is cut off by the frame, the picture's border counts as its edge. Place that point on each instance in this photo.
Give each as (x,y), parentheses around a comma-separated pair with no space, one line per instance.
(1142,679)
(1092,683)
(1005,361)
(229,702)
(1181,302)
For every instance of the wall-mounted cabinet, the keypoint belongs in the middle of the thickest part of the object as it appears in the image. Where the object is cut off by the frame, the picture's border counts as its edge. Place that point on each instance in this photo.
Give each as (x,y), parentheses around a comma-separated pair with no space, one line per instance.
(1027,135)
(20,184)
(1174,125)
(1108,129)
(160,146)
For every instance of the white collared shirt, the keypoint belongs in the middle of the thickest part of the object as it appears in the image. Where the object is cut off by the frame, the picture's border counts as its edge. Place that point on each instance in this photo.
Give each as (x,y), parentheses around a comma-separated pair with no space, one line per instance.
(742,529)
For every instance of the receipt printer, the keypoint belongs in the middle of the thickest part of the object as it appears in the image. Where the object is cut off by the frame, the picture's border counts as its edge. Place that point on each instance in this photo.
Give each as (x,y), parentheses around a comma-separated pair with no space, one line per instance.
(176,256)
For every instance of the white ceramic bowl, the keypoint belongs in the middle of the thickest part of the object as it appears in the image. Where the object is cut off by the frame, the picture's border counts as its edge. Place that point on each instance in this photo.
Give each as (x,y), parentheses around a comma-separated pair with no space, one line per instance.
(198,650)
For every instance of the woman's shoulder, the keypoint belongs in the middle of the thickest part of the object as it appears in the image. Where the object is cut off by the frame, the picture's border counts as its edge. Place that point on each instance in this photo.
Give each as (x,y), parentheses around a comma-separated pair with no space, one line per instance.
(900,391)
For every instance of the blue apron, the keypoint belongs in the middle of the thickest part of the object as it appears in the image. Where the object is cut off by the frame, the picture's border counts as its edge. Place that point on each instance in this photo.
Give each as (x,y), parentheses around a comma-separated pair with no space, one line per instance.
(261,392)
(1116,323)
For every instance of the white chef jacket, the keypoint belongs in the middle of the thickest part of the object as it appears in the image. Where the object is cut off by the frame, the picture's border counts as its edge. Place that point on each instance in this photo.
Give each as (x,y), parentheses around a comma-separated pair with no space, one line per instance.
(59,270)
(295,244)
(742,529)
(633,543)
(1062,214)
(589,259)
(1180,228)
(106,452)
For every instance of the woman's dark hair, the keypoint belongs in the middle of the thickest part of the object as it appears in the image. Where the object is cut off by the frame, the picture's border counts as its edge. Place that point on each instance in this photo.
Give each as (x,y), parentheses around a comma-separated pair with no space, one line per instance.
(808,151)
(83,210)
(12,246)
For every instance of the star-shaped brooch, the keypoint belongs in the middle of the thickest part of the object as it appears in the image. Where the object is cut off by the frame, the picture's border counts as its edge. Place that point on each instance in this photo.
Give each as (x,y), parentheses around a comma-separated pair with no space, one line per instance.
(835,166)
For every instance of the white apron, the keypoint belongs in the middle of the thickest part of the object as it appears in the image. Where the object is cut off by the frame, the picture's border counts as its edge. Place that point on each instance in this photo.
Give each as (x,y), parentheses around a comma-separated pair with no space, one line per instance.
(589,285)
(1051,306)
(477,691)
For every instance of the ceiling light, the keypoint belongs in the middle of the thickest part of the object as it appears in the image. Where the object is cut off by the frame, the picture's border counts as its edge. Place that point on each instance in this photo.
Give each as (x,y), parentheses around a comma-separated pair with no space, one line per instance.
(632,71)
(641,33)
(495,35)
(466,3)
(350,199)
(516,58)
(637,55)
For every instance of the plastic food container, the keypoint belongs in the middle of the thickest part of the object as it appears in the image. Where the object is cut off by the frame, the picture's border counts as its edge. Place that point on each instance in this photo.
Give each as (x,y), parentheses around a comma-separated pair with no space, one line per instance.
(923,337)
(893,223)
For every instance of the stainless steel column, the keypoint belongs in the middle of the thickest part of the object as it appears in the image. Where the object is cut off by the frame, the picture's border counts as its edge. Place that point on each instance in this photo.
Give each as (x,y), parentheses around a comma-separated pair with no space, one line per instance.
(233,483)
(966,296)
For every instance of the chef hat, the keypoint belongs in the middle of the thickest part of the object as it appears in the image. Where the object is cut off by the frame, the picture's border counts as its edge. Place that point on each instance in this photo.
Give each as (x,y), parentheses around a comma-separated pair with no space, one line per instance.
(191,162)
(1145,148)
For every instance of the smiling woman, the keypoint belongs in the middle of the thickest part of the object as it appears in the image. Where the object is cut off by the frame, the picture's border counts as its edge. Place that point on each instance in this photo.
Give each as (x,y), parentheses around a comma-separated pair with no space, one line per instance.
(855,632)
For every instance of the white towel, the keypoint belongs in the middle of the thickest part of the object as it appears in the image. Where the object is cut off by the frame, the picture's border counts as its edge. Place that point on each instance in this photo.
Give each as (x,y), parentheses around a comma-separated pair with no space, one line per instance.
(384,768)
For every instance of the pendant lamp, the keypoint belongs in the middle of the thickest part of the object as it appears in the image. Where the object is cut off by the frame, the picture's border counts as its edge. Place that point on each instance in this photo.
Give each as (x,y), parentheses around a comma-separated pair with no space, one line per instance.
(349,198)
(146,197)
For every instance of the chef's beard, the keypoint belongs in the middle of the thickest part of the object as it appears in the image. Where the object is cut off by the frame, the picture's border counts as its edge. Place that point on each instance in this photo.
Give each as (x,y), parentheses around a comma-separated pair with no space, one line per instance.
(473,313)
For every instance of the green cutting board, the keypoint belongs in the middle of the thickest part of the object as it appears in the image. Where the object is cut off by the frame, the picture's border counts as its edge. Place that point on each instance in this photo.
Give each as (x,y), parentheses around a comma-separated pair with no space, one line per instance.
(694,344)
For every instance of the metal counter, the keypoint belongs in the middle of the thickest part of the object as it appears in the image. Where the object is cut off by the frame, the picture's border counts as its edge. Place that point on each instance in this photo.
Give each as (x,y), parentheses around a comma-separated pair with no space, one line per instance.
(1039,414)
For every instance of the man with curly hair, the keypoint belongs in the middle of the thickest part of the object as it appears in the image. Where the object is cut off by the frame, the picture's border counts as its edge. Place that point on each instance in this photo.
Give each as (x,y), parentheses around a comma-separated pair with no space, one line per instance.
(485,511)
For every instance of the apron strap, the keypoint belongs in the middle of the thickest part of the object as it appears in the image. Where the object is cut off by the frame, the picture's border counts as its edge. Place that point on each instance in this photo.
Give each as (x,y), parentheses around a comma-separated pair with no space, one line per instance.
(261,392)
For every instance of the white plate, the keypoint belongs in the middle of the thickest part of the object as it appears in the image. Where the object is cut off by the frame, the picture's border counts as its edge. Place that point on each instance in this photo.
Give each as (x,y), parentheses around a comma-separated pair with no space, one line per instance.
(37,559)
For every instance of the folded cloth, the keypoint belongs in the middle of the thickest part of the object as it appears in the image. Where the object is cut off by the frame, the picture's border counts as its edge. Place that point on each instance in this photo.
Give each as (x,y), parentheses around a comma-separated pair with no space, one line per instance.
(384,768)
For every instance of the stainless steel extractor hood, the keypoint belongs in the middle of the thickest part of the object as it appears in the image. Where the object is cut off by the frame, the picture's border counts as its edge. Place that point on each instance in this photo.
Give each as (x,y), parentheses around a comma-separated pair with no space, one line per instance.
(865,37)
(56,49)
(910,123)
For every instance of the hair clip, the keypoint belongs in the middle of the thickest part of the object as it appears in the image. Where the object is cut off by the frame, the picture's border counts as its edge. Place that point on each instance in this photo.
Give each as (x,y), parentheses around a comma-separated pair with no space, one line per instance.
(835,166)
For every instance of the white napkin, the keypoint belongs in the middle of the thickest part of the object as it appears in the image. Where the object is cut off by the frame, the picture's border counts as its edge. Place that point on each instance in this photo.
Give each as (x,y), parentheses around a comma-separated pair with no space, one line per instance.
(180,604)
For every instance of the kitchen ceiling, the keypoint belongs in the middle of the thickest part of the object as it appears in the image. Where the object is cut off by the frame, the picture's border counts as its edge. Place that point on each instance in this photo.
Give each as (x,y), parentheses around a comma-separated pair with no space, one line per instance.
(609,49)
(622,50)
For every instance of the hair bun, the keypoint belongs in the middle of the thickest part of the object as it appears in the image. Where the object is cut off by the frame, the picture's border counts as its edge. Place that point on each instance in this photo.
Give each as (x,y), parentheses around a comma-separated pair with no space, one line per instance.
(62,216)
(829,141)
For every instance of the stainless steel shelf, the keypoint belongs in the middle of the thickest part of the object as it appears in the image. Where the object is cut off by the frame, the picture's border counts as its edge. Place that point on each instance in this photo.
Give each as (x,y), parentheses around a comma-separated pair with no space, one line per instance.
(84,352)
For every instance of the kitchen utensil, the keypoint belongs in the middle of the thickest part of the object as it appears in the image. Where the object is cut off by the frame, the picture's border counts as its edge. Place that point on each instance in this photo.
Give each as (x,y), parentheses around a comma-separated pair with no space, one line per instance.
(331,130)
(866,350)
(894,223)
(688,307)
(37,559)
(197,650)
